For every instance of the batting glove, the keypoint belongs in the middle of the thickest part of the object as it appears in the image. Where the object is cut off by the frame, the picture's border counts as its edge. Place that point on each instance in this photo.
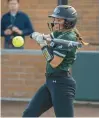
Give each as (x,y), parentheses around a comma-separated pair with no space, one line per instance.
(38,37)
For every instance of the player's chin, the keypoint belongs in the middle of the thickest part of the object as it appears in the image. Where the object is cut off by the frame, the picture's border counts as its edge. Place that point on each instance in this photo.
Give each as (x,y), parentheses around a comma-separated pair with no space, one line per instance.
(56,28)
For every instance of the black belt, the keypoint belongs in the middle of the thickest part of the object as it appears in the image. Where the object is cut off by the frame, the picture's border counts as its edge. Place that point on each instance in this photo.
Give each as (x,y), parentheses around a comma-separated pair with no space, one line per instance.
(58,74)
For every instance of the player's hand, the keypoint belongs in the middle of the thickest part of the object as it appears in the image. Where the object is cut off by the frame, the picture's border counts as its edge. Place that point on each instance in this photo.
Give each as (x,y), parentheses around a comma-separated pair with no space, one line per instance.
(39,38)
(48,37)
(17,30)
(7,32)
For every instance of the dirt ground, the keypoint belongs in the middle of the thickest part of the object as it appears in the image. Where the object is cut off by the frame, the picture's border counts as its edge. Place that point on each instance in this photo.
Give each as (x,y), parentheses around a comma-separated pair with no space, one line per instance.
(15,109)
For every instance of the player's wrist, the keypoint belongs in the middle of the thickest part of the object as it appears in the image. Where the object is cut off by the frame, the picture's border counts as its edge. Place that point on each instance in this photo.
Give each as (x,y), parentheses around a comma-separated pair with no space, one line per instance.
(43,45)
(48,53)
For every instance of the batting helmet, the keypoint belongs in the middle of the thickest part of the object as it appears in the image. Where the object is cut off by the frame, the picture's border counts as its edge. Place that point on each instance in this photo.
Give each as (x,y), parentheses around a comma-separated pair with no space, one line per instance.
(68,13)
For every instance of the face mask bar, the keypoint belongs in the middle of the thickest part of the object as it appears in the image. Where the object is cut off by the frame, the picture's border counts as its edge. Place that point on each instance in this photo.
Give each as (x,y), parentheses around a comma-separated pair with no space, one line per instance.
(51,25)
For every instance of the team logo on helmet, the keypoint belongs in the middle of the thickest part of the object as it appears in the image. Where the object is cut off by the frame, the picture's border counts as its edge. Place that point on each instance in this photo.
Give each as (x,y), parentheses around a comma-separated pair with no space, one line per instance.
(74,11)
(56,11)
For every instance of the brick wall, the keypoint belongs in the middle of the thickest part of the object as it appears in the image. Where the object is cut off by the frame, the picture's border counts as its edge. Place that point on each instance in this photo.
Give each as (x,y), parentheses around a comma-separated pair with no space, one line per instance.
(88,22)
(38,10)
(22,74)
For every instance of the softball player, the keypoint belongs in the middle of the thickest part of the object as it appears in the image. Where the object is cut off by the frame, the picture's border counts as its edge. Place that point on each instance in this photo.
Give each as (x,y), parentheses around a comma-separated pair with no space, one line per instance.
(59,89)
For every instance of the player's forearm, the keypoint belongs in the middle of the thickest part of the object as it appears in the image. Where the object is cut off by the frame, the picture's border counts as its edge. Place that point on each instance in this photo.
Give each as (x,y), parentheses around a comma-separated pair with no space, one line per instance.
(47,47)
(50,57)
(56,61)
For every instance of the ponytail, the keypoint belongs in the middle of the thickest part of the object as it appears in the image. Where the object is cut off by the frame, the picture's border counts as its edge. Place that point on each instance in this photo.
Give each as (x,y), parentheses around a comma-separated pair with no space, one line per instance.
(79,37)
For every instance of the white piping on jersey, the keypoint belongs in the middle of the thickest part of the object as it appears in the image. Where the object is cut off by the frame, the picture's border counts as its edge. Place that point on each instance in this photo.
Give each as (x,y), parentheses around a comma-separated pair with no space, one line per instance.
(60,54)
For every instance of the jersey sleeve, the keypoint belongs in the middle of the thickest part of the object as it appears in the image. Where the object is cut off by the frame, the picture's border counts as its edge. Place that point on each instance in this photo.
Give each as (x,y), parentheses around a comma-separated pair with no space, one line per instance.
(62,50)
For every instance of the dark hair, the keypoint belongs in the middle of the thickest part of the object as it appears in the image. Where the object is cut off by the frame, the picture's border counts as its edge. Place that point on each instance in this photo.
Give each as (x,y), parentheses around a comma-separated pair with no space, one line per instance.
(12,0)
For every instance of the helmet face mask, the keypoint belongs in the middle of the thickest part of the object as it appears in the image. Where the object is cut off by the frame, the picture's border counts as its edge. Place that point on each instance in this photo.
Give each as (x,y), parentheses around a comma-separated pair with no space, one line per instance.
(56,24)
(66,13)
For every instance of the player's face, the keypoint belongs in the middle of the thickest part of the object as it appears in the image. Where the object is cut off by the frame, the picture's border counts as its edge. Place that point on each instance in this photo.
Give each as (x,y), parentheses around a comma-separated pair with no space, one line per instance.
(58,24)
(13,5)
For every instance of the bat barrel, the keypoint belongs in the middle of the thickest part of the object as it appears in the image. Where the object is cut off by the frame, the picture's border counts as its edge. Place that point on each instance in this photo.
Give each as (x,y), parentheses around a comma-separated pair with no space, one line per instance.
(68,43)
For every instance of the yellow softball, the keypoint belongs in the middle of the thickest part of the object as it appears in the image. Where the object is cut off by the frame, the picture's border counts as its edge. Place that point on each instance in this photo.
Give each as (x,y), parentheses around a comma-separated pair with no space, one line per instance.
(18,41)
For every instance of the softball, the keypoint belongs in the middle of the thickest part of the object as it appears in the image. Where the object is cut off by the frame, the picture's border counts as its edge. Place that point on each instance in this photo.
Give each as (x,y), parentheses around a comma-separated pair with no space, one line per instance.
(18,41)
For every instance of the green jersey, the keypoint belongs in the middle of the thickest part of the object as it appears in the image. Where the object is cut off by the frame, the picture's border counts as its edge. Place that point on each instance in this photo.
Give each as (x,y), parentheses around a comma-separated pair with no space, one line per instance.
(68,55)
